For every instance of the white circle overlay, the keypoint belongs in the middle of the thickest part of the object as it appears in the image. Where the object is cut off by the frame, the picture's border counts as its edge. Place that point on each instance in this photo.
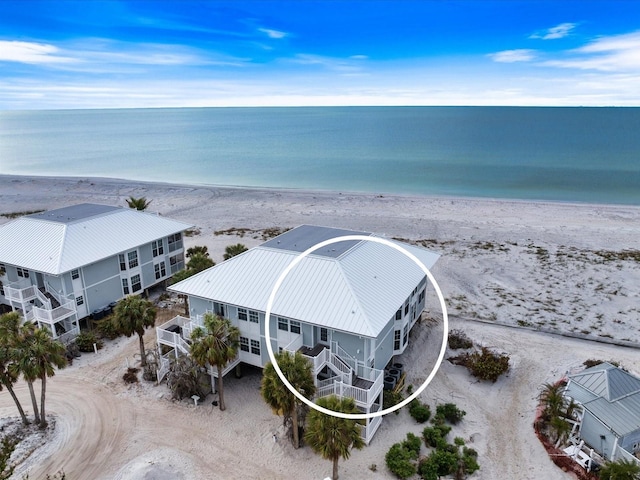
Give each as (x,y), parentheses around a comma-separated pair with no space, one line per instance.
(278,284)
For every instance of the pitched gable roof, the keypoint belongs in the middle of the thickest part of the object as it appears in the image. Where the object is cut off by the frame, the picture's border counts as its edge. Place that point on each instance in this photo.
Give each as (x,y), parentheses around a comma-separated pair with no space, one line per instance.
(355,287)
(64,239)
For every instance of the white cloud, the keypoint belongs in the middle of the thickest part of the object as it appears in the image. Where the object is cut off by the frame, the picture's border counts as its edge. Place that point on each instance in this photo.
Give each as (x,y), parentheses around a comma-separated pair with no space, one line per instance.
(273,33)
(511,56)
(32,53)
(553,33)
(617,53)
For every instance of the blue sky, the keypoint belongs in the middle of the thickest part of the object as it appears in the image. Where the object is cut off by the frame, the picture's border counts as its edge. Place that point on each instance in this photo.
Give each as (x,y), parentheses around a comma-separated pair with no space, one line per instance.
(103,54)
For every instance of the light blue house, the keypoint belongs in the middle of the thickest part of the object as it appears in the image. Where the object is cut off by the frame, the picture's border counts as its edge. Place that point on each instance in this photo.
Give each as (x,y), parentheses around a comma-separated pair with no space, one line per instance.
(348,307)
(609,420)
(61,265)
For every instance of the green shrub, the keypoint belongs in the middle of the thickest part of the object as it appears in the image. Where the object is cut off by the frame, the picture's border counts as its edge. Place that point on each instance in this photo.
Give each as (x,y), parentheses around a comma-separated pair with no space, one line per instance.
(427,469)
(446,462)
(450,412)
(419,411)
(85,341)
(412,444)
(470,464)
(391,399)
(398,460)
(106,328)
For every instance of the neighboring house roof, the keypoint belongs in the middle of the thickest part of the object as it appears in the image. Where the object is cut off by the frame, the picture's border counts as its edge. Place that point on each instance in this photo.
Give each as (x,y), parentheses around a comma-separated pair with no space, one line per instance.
(353,286)
(64,239)
(610,394)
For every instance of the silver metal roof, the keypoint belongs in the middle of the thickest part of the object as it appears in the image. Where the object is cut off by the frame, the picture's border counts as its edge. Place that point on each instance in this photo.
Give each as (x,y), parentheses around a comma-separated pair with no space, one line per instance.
(607,381)
(72,237)
(610,394)
(357,291)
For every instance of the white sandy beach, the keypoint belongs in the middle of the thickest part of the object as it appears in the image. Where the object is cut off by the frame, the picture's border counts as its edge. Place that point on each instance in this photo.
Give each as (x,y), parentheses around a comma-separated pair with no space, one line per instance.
(538,265)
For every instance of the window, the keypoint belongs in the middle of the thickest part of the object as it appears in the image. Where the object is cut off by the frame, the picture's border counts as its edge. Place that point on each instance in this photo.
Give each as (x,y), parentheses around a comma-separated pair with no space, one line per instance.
(75,274)
(79,300)
(295,326)
(177,263)
(283,324)
(242,314)
(399,314)
(396,339)
(123,265)
(160,269)
(157,247)
(133,259)
(421,296)
(405,334)
(324,335)
(23,272)
(135,283)
(175,242)
(125,286)
(406,308)
(244,344)
(2,290)
(253,316)
(255,347)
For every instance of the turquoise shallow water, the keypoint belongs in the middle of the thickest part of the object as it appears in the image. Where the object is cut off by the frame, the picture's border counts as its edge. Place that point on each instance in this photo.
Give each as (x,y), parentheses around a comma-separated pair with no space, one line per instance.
(558,154)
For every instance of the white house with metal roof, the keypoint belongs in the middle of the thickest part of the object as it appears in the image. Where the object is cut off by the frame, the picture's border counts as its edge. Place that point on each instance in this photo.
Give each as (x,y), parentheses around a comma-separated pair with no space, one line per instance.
(609,398)
(349,307)
(61,265)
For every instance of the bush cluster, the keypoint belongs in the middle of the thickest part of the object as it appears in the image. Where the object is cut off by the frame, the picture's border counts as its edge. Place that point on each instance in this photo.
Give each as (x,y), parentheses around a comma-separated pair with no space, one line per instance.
(484,364)
(445,458)
(419,411)
(85,340)
(450,412)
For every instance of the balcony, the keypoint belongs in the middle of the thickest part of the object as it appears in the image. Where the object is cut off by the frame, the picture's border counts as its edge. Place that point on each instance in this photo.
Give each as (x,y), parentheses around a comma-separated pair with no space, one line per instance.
(361,383)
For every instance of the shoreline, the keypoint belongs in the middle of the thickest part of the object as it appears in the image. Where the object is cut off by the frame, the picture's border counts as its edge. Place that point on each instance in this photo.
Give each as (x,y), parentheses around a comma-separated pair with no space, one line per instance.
(318,192)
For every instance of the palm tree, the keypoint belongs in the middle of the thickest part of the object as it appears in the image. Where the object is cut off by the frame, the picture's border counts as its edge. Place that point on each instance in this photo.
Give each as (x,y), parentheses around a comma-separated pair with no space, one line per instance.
(333,437)
(297,370)
(233,250)
(24,362)
(133,314)
(138,203)
(9,323)
(199,262)
(553,401)
(197,249)
(620,470)
(47,355)
(216,344)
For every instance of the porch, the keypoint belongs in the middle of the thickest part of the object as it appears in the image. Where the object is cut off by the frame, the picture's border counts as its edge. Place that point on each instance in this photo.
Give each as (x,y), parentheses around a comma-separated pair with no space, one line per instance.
(46,308)
(176,334)
(346,376)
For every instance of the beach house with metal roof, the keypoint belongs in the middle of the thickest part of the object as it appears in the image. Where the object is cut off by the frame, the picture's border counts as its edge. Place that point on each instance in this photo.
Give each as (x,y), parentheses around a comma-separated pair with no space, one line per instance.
(61,265)
(609,398)
(348,307)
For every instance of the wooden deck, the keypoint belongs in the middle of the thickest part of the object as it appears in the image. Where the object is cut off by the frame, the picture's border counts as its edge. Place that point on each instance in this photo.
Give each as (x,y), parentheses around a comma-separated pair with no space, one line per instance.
(362,383)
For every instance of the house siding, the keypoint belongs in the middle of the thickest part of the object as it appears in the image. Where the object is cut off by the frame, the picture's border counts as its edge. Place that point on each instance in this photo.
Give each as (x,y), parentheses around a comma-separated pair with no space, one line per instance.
(384,346)
(351,344)
(590,432)
(102,294)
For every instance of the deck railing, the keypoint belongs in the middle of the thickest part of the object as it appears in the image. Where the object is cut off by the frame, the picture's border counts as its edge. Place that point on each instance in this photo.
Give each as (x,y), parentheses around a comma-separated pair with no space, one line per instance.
(20,292)
(172,339)
(54,315)
(368,431)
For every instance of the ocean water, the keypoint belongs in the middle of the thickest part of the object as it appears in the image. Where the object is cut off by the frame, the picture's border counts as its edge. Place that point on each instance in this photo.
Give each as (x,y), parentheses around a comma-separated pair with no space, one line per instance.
(554,154)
